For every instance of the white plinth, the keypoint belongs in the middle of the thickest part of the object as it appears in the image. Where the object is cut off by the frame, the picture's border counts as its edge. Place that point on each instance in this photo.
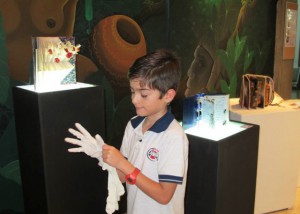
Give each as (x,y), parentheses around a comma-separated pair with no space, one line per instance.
(279,153)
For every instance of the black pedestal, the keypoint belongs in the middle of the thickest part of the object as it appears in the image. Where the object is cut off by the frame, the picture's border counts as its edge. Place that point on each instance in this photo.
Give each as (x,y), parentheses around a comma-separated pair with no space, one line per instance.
(55,181)
(222,174)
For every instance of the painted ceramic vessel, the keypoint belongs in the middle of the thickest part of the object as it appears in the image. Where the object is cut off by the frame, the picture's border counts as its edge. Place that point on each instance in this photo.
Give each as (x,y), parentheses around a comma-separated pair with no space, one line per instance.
(117,42)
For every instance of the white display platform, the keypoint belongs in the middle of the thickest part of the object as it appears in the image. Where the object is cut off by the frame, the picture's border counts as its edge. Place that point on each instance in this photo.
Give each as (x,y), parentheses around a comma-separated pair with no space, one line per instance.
(56,87)
(217,134)
(278,155)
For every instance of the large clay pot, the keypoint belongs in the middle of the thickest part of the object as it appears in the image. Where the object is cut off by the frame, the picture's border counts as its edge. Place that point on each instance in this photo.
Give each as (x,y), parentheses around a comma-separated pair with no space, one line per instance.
(117,41)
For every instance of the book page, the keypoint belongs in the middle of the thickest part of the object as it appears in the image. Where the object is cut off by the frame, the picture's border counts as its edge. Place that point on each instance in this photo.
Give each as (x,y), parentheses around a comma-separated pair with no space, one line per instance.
(215,110)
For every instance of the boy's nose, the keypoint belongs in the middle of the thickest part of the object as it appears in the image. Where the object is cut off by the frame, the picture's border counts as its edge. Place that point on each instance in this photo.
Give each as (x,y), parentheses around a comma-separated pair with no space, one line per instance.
(134,99)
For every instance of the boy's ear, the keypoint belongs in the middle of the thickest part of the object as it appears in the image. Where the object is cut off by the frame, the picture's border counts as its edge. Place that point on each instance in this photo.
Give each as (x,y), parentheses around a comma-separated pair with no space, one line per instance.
(169,95)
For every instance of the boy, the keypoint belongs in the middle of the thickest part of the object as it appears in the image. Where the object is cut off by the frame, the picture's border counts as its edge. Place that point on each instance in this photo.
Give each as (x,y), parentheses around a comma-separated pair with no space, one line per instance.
(153,158)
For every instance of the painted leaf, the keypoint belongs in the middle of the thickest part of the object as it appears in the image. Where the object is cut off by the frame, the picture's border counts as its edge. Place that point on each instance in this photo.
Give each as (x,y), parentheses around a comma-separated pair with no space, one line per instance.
(248,59)
(233,86)
(224,86)
(227,63)
(239,47)
(88,10)
(231,50)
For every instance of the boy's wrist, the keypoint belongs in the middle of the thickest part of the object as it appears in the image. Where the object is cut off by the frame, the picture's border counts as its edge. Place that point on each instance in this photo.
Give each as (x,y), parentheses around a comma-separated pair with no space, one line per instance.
(126,167)
(131,178)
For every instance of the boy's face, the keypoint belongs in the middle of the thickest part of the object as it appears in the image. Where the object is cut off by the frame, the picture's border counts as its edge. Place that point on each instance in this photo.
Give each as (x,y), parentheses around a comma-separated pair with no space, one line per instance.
(147,101)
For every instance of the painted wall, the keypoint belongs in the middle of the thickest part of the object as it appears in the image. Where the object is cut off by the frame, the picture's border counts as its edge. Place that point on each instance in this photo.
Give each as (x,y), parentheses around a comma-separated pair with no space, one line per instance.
(217,41)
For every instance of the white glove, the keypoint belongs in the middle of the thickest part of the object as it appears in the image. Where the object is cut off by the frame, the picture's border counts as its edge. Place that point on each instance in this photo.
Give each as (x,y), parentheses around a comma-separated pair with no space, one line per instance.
(93,148)
(89,145)
(115,189)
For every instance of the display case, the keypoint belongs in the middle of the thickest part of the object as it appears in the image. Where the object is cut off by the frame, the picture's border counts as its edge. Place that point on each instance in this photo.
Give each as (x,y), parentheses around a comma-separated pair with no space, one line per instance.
(222,169)
(55,181)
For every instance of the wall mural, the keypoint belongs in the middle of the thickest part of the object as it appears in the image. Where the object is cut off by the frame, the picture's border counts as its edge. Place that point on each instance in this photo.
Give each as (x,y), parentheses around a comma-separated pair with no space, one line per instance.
(217,41)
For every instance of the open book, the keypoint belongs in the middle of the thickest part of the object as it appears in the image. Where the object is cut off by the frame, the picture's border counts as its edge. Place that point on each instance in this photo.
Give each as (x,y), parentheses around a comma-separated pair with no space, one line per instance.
(206,110)
(215,110)
(54,61)
(256,91)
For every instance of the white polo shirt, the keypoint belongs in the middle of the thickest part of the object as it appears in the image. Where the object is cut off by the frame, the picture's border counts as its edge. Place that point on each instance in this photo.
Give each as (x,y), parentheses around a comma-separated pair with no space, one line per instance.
(161,154)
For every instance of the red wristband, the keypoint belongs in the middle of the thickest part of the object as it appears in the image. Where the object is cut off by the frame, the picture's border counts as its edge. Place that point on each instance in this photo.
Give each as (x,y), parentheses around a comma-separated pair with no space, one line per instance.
(131,178)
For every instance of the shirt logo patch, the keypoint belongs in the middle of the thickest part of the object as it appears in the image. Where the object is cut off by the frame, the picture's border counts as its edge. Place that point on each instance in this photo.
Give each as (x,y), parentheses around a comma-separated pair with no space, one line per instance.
(153,154)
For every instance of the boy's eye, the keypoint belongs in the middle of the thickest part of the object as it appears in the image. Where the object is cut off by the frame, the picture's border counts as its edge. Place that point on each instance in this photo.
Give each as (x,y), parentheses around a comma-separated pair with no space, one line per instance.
(144,96)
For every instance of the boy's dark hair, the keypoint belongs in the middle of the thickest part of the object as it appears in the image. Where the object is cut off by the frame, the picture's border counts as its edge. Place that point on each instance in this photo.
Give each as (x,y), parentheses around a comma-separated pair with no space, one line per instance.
(158,70)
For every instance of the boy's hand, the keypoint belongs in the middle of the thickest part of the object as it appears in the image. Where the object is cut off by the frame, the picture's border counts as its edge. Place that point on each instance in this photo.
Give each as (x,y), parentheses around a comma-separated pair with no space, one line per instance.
(112,156)
(87,144)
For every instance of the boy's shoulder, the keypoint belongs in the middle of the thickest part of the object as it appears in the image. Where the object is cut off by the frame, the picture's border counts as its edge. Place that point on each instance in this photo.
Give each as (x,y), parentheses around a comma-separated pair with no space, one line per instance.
(175,127)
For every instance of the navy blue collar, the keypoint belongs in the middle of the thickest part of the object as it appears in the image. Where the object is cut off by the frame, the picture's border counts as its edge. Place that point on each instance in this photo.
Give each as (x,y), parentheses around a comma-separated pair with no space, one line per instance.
(159,126)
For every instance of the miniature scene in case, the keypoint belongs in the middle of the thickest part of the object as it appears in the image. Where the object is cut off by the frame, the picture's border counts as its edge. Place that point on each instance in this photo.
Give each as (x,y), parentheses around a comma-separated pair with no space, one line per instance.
(54,61)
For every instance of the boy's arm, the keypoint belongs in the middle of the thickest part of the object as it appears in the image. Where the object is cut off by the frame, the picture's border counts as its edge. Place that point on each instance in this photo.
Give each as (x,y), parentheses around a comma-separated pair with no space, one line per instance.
(161,192)
(121,176)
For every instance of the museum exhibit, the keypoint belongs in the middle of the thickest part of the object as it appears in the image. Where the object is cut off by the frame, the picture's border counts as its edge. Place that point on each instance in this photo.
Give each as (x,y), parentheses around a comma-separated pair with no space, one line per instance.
(66,62)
